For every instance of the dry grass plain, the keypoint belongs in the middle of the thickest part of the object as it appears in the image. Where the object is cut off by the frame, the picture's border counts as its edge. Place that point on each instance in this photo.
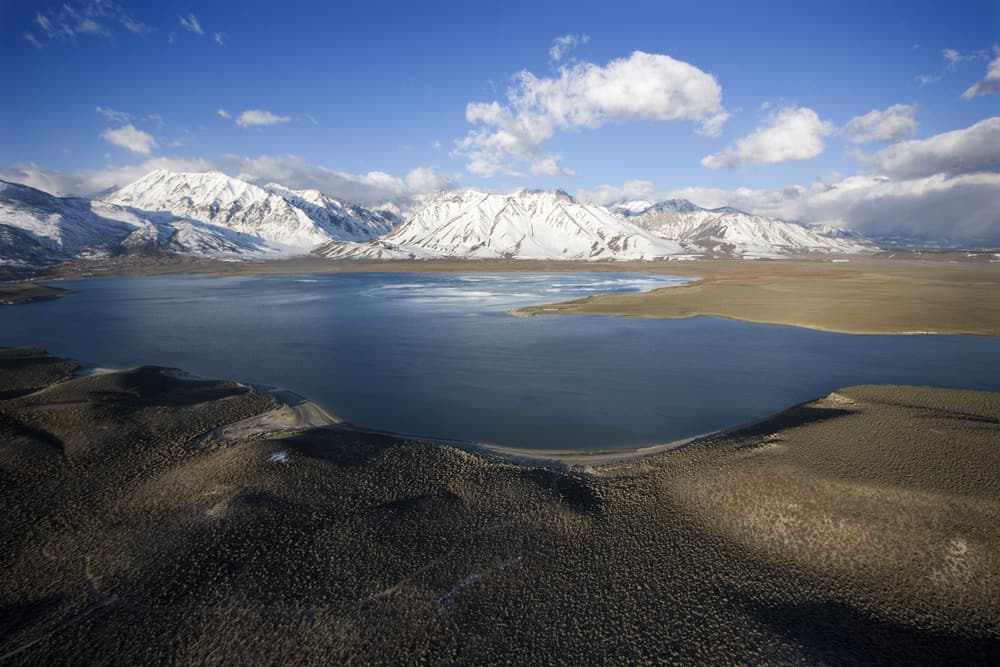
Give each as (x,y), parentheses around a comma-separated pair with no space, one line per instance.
(857,528)
(876,296)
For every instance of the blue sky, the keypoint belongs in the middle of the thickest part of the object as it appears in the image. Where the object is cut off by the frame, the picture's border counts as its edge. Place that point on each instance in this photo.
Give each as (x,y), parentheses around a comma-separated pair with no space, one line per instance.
(365,94)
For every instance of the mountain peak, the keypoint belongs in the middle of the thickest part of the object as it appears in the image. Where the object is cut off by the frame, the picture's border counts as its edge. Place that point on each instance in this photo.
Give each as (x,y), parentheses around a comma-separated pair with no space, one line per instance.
(729,232)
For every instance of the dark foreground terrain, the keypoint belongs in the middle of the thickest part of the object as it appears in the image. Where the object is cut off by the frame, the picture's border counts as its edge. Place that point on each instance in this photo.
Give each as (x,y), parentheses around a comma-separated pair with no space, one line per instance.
(858,528)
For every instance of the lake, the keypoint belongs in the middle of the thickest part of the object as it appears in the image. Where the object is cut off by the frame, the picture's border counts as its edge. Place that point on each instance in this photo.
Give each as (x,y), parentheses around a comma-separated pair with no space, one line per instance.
(437,355)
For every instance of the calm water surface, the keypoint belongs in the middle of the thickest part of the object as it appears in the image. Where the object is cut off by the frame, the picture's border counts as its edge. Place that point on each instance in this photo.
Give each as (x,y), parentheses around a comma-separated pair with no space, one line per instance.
(437,354)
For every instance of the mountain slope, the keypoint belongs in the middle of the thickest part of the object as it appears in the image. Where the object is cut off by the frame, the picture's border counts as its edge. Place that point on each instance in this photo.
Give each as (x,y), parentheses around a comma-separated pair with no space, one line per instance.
(731,232)
(39,228)
(527,224)
(340,220)
(213,197)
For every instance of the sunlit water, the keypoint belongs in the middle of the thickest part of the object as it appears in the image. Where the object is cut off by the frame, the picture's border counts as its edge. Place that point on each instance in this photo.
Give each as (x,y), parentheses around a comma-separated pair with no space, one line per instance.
(437,354)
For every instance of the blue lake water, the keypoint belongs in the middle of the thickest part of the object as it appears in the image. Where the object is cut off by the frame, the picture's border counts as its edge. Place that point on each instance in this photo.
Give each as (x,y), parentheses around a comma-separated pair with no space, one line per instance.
(437,354)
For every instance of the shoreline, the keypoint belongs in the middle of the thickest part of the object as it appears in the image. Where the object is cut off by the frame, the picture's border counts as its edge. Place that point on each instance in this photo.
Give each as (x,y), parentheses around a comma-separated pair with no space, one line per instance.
(295,413)
(911,295)
(860,527)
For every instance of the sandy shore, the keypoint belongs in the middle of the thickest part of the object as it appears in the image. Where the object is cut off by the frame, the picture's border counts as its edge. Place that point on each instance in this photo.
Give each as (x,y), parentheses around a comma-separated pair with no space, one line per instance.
(857,528)
(860,297)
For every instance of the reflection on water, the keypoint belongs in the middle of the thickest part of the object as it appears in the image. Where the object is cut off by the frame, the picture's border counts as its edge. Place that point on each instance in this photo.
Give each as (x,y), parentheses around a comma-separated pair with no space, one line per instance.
(437,355)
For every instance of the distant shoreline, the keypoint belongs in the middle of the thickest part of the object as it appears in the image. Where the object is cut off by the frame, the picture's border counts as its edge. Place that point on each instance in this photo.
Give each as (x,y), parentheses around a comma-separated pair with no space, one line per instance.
(934,293)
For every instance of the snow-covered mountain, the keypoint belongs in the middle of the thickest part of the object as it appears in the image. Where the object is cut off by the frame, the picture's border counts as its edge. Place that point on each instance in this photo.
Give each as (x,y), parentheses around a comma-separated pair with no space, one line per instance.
(203,214)
(211,214)
(729,232)
(277,215)
(527,224)
(39,228)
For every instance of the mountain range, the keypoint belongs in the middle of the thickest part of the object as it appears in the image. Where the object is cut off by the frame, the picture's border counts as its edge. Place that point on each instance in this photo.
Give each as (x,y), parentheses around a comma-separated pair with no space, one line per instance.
(211,214)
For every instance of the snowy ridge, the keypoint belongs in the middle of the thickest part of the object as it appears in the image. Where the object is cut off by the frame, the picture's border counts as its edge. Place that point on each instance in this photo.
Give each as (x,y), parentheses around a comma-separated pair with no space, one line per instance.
(729,232)
(337,218)
(214,215)
(39,228)
(283,217)
(527,224)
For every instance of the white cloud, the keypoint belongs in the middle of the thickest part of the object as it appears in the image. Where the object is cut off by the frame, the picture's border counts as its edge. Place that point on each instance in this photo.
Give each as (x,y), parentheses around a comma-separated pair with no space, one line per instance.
(91,181)
(563,45)
(369,188)
(955,58)
(944,187)
(92,27)
(927,79)
(72,19)
(792,133)
(130,138)
(259,117)
(975,149)
(191,24)
(957,209)
(134,26)
(643,86)
(292,171)
(896,122)
(111,114)
(610,194)
(222,113)
(988,86)
(424,179)
(218,39)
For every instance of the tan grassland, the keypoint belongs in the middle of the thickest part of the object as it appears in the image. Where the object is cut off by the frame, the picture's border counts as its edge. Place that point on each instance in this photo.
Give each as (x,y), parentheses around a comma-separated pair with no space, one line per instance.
(862,296)
(149,518)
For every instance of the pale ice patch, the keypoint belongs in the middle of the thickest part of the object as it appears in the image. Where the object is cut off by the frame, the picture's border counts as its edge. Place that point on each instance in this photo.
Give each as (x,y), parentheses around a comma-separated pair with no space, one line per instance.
(278,457)
(503,292)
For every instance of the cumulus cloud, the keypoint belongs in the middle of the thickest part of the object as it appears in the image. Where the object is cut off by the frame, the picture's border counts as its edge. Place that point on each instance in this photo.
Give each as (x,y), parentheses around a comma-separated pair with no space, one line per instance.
(88,182)
(563,45)
(130,138)
(370,188)
(792,133)
(893,124)
(259,117)
(73,19)
(988,86)
(643,86)
(222,113)
(958,210)
(611,194)
(943,188)
(374,187)
(111,114)
(191,24)
(975,149)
